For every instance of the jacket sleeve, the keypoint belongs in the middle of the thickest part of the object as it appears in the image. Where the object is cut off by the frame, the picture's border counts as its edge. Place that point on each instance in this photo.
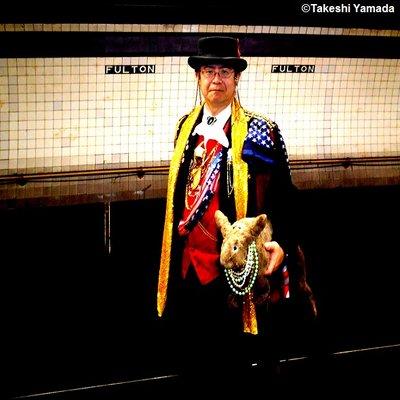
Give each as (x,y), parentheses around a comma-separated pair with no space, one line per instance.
(272,190)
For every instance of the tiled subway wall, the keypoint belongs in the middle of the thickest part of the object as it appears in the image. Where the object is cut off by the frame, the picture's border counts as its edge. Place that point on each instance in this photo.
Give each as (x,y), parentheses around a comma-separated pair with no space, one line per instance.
(185,28)
(67,114)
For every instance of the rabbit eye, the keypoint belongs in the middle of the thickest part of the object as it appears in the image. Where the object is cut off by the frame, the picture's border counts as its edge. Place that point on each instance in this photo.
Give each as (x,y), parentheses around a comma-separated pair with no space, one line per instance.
(234,248)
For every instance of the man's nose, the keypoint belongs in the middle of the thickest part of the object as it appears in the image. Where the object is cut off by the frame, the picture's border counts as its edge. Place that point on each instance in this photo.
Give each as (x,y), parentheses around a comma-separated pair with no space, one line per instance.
(217,77)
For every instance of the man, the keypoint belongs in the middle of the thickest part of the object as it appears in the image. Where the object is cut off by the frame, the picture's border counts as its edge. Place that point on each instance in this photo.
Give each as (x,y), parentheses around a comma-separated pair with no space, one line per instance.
(229,159)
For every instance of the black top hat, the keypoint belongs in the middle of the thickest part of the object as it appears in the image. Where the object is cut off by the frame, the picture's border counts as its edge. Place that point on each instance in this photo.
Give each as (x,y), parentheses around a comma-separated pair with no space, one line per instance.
(218,50)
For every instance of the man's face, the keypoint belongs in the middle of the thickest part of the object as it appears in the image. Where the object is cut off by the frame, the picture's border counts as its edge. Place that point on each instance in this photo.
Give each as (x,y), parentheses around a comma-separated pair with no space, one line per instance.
(217,84)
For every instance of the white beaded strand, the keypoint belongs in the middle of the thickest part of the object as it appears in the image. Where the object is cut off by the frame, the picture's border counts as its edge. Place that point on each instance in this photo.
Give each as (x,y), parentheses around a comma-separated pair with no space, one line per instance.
(237,279)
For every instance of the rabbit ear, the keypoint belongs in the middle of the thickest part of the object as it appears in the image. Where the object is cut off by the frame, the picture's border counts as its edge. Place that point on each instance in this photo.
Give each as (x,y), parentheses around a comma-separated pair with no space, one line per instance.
(258,225)
(222,223)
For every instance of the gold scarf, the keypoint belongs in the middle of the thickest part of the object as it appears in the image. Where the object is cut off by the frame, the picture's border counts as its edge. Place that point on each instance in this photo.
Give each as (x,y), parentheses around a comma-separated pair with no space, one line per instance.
(240,188)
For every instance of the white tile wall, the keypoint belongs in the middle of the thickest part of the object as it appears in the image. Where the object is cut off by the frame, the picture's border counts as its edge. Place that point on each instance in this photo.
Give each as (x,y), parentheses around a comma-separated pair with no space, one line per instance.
(59,114)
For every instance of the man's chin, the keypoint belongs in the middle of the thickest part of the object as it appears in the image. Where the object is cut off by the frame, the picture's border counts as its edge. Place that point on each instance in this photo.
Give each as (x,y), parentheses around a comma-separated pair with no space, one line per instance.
(217,97)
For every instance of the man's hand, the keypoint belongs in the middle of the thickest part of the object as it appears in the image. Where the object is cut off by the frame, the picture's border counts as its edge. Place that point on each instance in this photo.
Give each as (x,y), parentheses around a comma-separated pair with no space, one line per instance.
(277,255)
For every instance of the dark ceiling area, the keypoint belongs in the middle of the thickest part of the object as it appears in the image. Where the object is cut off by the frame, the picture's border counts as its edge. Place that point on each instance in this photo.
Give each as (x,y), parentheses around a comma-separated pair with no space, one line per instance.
(250,12)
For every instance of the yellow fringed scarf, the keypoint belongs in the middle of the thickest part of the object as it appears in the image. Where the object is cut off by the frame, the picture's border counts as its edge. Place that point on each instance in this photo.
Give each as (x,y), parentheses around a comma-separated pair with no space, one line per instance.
(240,188)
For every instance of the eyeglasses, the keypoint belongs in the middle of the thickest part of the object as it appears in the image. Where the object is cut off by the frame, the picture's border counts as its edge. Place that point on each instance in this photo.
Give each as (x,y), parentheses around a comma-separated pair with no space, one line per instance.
(210,73)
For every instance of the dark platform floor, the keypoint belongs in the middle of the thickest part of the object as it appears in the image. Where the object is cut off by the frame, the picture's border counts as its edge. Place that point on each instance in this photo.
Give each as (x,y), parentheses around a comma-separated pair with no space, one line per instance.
(76,318)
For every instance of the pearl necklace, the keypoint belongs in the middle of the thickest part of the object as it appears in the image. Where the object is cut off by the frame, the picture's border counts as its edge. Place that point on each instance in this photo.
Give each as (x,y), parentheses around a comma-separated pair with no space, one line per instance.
(238,279)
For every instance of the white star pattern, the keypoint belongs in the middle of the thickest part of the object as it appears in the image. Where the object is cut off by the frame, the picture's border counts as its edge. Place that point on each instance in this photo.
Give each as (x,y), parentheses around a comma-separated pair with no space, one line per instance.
(259,142)
(259,133)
